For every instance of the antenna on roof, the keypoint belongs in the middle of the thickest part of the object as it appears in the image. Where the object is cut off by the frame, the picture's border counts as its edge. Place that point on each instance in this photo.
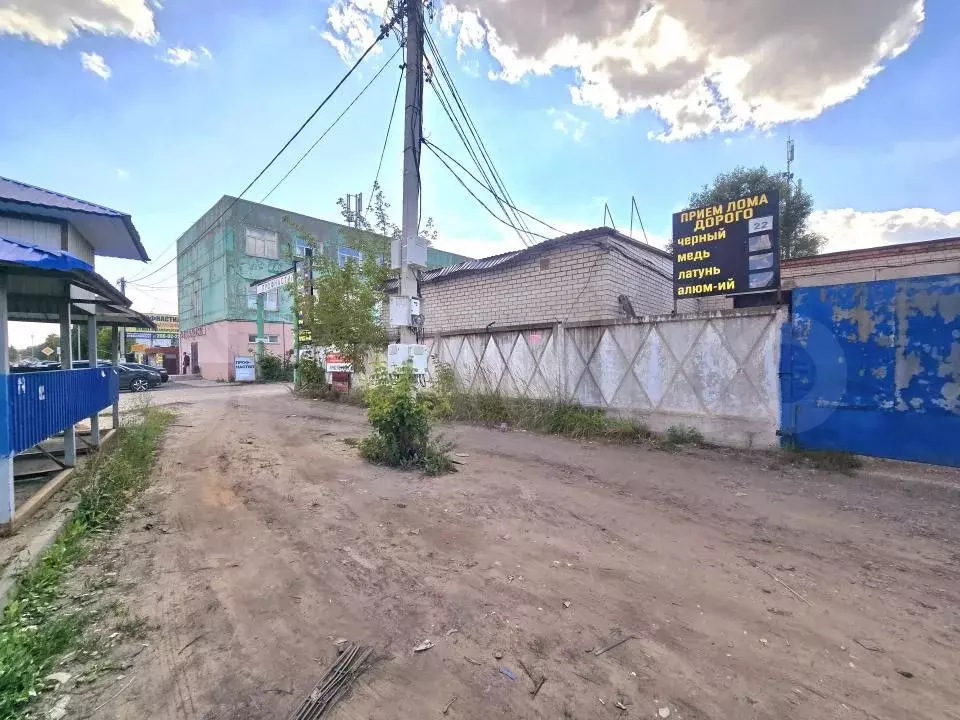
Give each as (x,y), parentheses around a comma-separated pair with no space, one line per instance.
(608,214)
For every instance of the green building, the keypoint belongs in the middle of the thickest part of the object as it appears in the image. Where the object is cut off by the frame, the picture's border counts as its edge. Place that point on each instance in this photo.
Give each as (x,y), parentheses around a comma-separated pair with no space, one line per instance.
(233,244)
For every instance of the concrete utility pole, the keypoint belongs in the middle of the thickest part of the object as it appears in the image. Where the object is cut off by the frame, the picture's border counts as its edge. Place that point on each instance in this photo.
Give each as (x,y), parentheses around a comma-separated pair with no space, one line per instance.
(412,250)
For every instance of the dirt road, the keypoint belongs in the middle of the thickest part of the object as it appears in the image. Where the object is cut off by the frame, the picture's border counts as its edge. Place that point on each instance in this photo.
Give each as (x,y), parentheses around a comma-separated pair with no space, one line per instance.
(750,591)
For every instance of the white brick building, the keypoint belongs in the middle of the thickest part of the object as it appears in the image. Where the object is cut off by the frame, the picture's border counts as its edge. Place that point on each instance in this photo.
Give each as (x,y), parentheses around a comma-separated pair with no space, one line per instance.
(584,276)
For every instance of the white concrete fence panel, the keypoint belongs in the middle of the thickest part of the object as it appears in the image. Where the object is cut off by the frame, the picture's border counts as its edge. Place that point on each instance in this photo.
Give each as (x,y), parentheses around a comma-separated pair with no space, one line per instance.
(717,372)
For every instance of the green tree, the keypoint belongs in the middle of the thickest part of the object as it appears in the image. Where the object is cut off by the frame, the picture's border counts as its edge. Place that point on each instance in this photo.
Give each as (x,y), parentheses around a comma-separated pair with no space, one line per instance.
(796,204)
(348,304)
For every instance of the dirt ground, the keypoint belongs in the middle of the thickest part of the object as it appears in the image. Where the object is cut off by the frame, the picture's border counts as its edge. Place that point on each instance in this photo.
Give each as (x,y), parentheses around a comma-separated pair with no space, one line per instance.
(750,590)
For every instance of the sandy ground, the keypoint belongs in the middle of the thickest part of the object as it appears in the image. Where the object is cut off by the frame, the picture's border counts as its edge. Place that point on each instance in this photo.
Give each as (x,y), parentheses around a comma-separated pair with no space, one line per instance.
(750,590)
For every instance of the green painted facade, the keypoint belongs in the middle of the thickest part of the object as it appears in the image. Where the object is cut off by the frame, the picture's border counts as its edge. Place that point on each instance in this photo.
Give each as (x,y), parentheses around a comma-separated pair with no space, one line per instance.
(214,272)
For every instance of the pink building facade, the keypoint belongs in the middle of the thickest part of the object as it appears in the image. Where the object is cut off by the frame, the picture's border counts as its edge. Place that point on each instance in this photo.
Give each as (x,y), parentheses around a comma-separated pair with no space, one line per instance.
(213,347)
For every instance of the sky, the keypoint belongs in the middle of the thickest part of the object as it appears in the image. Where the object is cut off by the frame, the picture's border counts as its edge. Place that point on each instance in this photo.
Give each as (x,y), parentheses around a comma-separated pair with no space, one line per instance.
(158,108)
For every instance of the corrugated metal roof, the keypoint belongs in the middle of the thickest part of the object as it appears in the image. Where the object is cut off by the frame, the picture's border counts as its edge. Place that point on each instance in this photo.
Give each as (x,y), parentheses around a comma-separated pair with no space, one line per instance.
(485,264)
(29,255)
(109,232)
(20,192)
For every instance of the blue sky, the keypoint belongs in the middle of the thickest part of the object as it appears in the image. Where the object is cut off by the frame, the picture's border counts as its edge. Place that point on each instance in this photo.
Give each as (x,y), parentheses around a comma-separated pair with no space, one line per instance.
(159,110)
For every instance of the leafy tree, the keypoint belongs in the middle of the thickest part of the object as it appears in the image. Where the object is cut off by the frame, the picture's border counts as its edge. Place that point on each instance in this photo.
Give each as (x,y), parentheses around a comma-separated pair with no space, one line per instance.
(796,204)
(347,308)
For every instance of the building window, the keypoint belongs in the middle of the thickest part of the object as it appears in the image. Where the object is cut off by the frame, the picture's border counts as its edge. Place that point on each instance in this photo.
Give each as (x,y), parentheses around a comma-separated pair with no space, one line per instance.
(267,339)
(271,301)
(345,254)
(261,243)
(299,246)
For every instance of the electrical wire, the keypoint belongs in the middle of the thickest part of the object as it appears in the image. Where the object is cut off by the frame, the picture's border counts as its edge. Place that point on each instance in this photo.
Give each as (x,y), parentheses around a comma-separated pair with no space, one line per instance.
(384,31)
(331,126)
(447,78)
(474,195)
(439,149)
(383,152)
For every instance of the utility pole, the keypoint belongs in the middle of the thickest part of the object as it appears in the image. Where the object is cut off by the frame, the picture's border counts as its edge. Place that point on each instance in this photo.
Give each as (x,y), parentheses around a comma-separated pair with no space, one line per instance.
(410,251)
(786,200)
(123,330)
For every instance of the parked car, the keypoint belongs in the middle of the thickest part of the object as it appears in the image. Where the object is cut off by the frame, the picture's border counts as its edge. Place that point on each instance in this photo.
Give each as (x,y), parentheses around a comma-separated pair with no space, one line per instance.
(132,377)
(164,375)
(137,380)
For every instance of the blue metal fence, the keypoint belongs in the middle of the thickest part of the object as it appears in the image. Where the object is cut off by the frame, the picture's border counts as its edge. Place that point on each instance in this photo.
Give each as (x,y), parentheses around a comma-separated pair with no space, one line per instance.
(874,368)
(41,404)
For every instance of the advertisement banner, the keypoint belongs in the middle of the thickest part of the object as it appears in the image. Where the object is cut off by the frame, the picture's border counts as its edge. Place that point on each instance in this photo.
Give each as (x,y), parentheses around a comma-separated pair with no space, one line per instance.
(728,248)
(244,369)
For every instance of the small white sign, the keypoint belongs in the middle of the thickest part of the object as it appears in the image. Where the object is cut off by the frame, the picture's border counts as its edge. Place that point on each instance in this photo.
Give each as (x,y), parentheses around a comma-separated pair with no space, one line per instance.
(760,224)
(244,369)
(274,283)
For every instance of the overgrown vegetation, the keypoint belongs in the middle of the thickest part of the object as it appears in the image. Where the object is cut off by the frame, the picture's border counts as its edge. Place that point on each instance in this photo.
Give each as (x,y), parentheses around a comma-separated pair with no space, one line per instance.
(271,368)
(38,625)
(400,417)
(683,435)
(829,460)
(448,402)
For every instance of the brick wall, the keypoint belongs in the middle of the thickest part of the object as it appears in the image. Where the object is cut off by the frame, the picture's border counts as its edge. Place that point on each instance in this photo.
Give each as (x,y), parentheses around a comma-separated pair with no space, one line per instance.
(570,284)
(885,263)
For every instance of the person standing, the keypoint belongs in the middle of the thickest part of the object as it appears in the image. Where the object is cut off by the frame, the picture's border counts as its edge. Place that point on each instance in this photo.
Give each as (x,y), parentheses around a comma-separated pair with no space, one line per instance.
(186,363)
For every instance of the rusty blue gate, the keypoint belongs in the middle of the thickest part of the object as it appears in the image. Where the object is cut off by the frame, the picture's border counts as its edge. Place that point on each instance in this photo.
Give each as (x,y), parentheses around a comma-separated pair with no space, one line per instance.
(873,368)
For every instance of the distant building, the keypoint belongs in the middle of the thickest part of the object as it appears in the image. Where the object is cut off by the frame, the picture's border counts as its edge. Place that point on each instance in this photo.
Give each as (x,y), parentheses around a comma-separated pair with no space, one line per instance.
(597,274)
(215,266)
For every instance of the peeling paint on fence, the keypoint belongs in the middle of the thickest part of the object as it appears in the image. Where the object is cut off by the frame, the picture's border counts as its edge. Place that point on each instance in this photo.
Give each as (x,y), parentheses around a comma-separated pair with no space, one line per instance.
(883,359)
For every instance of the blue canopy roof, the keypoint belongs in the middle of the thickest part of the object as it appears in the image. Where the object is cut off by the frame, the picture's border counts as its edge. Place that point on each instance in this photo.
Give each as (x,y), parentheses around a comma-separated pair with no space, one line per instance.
(26,254)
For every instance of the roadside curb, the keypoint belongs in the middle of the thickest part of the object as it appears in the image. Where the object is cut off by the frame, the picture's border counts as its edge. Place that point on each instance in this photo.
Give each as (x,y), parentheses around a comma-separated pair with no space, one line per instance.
(32,552)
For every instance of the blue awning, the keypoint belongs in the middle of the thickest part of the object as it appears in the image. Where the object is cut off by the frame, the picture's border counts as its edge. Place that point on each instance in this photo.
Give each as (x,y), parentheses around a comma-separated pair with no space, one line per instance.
(28,255)
(40,279)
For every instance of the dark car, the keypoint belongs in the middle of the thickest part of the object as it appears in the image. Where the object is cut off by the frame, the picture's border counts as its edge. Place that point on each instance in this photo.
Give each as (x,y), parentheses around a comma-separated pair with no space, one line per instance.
(137,380)
(164,375)
(131,377)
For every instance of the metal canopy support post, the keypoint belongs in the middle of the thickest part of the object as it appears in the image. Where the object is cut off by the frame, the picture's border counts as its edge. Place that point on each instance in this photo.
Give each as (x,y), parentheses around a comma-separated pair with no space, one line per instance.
(6,458)
(92,356)
(66,362)
(115,359)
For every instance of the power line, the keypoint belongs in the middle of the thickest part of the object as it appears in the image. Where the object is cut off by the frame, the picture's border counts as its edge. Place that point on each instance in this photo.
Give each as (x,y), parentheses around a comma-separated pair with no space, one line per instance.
(331,126)
(471,126)
(299,161)
(453,172)
(383,152)
(384,30)
(490,190)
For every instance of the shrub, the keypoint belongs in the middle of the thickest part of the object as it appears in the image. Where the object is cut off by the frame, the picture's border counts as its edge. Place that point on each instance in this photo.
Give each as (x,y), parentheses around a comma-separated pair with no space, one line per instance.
(271,368)
(683,435)
(312,375)
(400,417)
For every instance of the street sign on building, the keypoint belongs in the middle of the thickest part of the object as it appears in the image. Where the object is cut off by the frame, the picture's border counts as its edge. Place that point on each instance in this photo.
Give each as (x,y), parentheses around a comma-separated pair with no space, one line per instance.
(274,283)
(727,248)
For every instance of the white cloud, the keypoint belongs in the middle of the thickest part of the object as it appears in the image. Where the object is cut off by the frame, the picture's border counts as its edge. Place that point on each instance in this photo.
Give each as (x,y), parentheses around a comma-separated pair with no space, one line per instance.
(848,229)
(568,123)
(702,66)
(54,22)
(122,174)
(206,53)
(354,25)
(95,64)
(180,56)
